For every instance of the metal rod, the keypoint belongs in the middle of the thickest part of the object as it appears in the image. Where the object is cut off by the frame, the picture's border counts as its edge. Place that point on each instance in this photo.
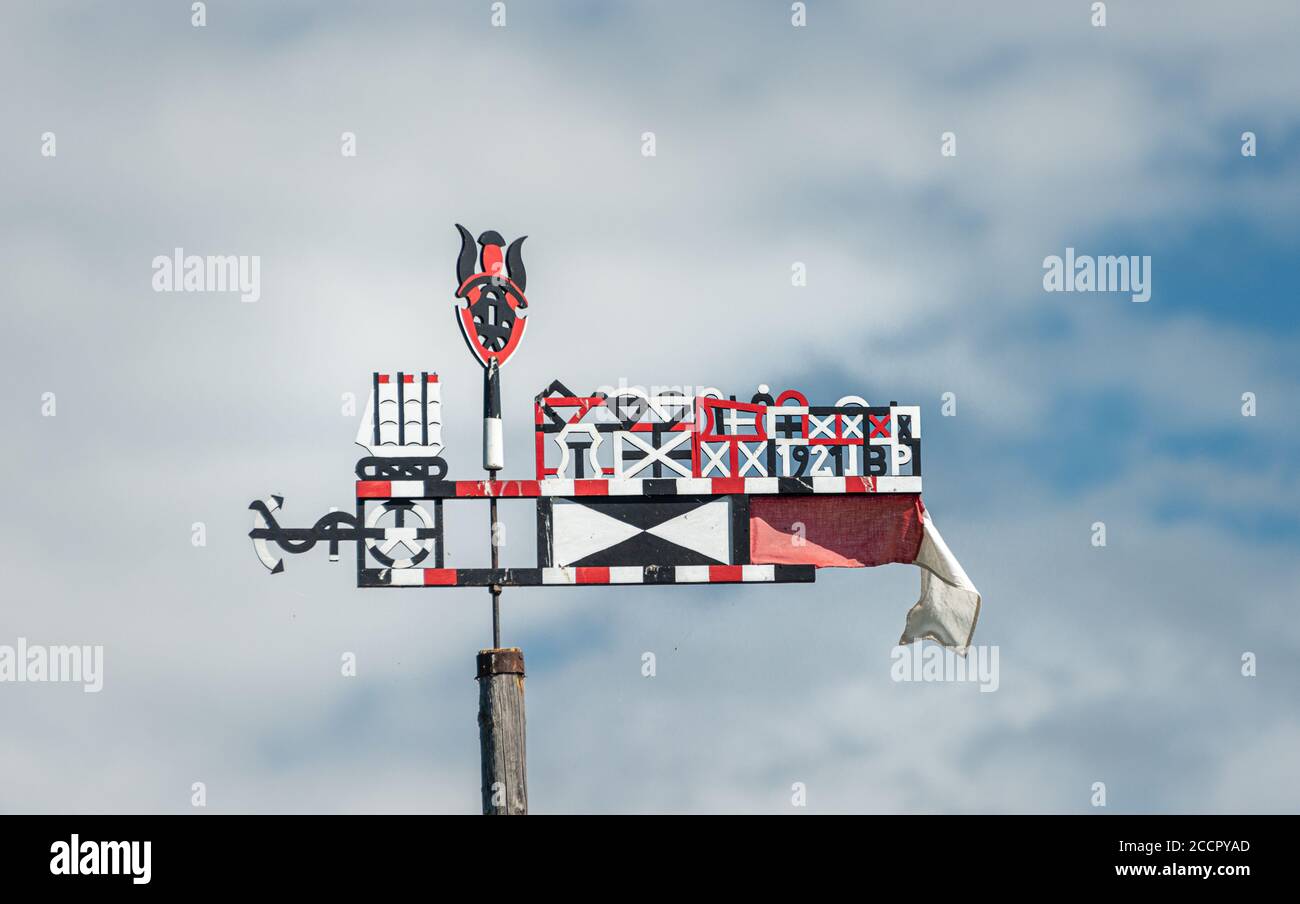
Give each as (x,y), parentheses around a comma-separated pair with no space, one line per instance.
(495,588)
(493,436)
(493,461)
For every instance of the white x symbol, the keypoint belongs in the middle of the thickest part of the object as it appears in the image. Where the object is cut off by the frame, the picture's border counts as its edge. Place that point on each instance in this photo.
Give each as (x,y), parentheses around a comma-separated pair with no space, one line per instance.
(652,454)
(715,459)
(752,459)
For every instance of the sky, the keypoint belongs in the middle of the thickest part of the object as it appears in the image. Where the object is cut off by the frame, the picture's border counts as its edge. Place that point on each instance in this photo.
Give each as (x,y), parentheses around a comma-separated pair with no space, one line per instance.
(775,145)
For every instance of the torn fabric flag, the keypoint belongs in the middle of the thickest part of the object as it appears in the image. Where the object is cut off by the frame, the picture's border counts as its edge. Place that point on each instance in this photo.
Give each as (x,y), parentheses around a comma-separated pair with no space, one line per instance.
(862,531)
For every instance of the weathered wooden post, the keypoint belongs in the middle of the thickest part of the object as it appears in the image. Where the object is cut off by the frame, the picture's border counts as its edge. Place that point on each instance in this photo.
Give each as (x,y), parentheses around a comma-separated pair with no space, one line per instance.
(501,732)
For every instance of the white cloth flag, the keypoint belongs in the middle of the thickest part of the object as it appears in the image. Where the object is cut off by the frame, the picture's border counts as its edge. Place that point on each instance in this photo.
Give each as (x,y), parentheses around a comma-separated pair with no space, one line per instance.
(949,605)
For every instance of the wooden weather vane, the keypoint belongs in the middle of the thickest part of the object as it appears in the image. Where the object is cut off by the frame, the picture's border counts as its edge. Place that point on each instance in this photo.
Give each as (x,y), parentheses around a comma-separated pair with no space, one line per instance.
(630,488)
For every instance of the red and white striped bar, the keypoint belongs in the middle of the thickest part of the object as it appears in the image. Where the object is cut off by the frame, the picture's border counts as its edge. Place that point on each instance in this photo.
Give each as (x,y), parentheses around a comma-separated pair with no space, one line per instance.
(612,575)
(650,486)
(651,574)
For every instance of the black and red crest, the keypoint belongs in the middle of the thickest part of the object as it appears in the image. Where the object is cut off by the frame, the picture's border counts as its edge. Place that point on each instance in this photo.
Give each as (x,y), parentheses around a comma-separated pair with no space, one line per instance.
(492,280)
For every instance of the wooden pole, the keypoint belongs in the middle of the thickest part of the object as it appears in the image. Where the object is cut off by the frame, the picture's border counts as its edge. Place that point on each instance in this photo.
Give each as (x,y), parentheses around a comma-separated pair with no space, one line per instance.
(501,732)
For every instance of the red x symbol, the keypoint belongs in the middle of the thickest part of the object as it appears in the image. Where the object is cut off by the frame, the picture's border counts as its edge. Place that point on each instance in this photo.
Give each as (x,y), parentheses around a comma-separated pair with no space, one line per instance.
(879,428)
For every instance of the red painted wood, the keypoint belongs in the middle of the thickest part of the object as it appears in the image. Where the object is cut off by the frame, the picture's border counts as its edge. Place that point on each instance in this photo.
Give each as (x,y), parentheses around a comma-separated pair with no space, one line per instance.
(726,573)
(591,574)
(374,489)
